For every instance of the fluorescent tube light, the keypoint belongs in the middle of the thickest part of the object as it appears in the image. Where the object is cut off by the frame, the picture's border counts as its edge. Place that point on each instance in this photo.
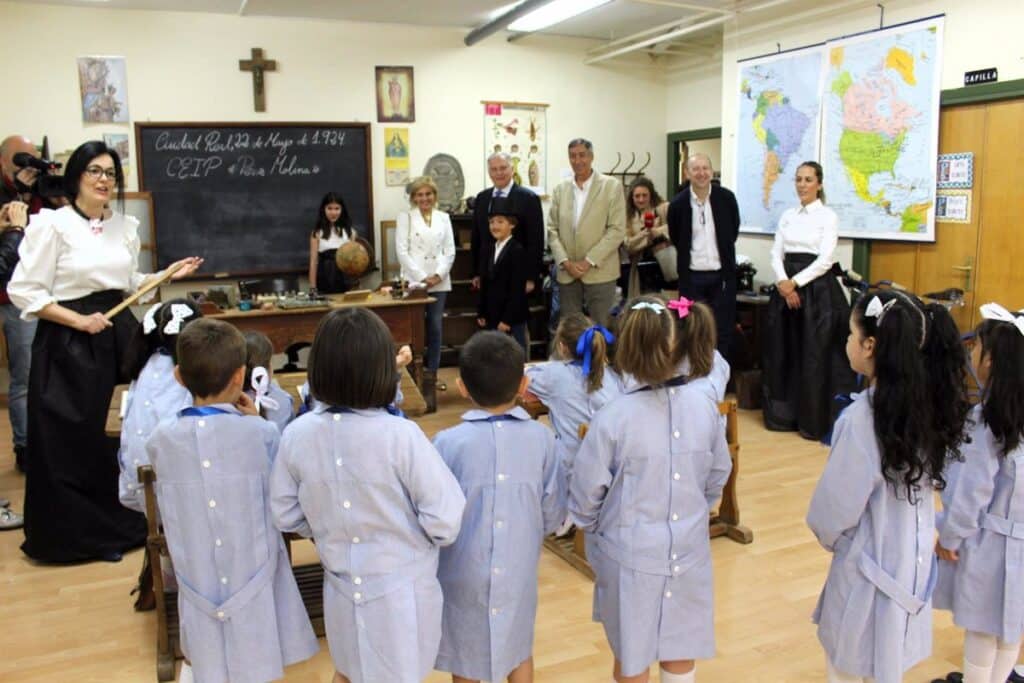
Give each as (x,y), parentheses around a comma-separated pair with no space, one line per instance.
(553,13)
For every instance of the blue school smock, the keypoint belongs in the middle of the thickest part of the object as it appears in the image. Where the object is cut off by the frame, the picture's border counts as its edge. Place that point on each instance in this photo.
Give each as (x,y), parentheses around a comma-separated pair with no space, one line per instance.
(241,615)
(646,475)
(509,470)
(874,614)
(153,397)
(984,521)
(562,387)
(375,496)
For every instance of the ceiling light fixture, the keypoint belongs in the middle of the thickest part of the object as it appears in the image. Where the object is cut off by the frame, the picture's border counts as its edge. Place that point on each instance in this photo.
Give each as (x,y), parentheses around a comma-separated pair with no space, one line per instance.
(554,13)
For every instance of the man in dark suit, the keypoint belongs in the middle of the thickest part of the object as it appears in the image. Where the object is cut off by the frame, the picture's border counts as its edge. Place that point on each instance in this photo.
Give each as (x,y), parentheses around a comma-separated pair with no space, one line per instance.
(503,305)
(704,222)
(529,232)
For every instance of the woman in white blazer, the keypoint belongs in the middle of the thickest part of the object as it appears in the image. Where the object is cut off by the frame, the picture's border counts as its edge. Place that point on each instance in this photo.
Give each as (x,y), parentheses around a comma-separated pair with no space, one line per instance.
(425,245)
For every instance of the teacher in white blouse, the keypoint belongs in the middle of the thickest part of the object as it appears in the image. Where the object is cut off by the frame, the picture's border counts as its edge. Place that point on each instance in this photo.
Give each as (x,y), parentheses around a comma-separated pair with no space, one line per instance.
(77,262)
(804,358)
(425,245)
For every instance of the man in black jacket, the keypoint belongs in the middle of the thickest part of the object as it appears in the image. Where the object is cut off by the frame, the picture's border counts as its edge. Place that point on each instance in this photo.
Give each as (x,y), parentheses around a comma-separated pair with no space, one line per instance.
(17,203)
(704,222)
(529,232)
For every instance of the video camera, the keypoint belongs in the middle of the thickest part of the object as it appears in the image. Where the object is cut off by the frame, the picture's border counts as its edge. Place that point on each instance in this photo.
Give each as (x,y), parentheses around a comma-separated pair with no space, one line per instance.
(48,184)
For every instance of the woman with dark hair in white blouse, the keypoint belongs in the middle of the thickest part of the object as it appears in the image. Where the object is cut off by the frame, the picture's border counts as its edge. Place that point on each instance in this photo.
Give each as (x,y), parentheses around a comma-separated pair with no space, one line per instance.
(804,358)
(77,262)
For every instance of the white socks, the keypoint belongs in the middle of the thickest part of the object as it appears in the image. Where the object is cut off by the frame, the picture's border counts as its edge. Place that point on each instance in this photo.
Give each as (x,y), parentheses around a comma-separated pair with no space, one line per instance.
(987,659)
(667,677)
(185,676)
(1006,657)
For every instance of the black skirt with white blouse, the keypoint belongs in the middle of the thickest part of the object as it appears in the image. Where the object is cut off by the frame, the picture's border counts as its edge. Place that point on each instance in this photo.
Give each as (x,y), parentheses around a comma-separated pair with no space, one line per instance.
(804,363)
(72,511)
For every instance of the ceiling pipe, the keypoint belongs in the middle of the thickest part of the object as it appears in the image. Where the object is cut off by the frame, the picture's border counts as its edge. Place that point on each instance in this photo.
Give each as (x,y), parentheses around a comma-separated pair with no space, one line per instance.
(672,35)
(502,22)
(657,39)
(686,5)
(678,23)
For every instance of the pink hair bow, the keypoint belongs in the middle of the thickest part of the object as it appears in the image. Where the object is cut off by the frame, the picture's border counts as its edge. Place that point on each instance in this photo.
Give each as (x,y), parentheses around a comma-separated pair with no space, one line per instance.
(681,306)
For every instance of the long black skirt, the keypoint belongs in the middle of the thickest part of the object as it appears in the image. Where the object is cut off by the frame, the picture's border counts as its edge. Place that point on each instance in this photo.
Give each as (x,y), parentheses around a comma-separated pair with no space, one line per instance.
(804,364)
(72,512)
(330,280)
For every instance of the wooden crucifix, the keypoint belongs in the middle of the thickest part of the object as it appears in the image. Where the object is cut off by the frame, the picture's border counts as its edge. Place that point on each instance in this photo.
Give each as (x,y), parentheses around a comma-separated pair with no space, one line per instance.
(257,65)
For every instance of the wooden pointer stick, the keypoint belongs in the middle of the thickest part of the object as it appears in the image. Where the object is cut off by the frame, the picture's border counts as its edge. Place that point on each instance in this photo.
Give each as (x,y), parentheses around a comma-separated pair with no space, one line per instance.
(143,291)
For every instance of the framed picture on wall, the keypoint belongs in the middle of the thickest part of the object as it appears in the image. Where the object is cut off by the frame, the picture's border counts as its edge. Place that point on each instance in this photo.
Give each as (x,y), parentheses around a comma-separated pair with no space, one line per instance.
(396,98)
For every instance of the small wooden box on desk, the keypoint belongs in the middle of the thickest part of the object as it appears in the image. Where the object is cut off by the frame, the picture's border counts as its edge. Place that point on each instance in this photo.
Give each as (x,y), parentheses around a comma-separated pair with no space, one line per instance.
(460,309)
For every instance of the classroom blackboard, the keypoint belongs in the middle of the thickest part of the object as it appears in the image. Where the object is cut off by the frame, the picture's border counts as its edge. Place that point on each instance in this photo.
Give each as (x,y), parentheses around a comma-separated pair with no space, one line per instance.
(244,196)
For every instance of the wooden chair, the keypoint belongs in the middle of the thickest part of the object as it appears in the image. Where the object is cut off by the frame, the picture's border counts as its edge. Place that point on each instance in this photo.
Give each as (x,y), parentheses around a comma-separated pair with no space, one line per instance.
(726,522)
(308,577)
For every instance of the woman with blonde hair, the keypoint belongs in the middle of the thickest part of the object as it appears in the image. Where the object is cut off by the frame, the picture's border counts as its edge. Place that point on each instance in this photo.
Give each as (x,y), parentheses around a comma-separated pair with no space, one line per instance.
(425,245)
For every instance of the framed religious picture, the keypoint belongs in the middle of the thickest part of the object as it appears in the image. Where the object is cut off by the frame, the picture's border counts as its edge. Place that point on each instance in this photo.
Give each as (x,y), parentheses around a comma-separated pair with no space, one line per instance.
(396,100)
(104,89)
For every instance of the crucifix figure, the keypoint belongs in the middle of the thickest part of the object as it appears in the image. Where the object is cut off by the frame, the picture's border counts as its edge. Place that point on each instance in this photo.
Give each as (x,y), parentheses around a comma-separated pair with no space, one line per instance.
(257,65)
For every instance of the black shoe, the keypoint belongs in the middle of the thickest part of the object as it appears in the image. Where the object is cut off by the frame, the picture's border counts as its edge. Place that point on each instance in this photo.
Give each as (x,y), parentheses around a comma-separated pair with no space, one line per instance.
(20,461)
(1014,677)
(951,677)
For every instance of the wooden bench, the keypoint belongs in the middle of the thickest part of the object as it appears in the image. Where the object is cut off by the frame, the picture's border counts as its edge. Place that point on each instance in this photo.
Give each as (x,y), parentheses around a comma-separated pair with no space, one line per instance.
(724,522)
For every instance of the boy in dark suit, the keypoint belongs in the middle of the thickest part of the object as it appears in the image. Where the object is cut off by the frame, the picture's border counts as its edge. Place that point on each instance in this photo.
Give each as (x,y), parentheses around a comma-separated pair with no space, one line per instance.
(503,305)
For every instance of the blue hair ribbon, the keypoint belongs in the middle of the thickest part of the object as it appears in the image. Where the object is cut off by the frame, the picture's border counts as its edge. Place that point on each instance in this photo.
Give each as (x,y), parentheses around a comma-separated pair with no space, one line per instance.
(585,344)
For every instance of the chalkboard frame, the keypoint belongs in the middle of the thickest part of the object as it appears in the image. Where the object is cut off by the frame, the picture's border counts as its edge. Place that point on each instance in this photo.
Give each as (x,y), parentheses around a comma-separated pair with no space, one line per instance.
(140,163)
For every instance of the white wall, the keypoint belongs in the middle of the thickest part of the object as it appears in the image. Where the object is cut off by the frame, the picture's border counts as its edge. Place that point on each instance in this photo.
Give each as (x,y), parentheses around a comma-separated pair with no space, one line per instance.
(978,34)
(184,67)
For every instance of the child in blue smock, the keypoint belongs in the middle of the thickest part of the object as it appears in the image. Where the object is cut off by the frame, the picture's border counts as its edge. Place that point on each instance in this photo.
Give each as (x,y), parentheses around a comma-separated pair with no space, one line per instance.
(508,468)
(402,359)
(646,475)
(980,544)
(377,499)
(273,402)
(240,612)
(873,507)
(577,386)
(154,394)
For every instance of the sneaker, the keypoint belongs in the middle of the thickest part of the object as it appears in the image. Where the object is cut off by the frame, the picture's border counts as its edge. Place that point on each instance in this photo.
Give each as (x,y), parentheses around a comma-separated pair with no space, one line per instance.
(5,503)
(10,520)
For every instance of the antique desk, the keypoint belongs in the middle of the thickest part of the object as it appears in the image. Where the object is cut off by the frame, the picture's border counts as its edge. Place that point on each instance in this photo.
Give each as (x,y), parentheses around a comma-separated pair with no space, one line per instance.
(284,327)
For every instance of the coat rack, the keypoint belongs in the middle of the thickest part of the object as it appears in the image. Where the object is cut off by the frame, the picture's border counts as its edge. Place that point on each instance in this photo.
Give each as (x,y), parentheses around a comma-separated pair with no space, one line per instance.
(627,175)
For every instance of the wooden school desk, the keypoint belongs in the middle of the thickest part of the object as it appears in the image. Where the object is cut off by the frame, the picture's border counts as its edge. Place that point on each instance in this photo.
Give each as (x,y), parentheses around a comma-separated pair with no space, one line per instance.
(284,327)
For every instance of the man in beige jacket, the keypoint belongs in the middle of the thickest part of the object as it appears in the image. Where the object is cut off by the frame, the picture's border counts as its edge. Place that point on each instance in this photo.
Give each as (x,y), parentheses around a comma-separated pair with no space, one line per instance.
(586,225)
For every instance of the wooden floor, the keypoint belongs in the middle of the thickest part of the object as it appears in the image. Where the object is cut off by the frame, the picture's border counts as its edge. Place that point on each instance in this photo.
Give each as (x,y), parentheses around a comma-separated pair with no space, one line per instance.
(75,624)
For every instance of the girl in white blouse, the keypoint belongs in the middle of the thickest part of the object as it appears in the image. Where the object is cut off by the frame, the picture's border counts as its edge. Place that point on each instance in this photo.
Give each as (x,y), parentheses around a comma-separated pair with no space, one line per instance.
(804,359)
(425,245)
(333,229)
(77,262)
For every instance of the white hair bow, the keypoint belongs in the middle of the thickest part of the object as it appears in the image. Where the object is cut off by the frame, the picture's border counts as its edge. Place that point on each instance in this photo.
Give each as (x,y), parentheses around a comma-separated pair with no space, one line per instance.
(640,305)
(261,384)
(993,311)
(179,314)
(149,320)
(876,309)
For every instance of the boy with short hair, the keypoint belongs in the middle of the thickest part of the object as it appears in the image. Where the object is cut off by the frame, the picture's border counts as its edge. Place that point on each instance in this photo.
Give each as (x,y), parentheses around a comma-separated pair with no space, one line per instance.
(509,470)
(240,611)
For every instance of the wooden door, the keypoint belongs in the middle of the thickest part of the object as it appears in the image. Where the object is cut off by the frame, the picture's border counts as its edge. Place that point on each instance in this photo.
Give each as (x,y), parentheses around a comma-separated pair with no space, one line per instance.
(983,257)
(1001,243)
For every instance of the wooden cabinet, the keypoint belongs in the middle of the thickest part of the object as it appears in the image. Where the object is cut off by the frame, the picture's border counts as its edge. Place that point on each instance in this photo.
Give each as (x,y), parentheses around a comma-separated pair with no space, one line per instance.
(460,309)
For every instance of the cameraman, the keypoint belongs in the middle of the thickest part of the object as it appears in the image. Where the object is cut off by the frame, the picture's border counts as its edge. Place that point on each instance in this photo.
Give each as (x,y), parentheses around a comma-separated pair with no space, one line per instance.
(18,200)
